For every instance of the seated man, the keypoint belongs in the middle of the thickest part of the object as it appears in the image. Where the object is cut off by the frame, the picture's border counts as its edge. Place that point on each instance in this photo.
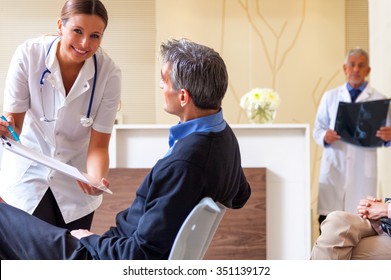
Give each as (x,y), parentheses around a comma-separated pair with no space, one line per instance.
(348,236)
(203,160)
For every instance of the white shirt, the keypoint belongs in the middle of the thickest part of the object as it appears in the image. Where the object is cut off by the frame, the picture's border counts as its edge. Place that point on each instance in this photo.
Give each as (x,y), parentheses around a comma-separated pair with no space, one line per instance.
(23,183)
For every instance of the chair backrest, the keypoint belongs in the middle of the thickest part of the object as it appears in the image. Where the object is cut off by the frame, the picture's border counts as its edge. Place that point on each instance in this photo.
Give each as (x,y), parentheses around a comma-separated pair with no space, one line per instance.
(197,231)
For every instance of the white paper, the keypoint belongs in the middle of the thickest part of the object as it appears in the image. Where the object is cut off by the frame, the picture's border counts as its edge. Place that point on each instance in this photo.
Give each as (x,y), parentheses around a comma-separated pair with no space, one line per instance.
(52,163)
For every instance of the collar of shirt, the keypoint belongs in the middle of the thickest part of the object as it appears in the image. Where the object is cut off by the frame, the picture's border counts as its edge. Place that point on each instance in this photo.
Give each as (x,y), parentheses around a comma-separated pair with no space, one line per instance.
(51,61)
(211,123)
(361,88)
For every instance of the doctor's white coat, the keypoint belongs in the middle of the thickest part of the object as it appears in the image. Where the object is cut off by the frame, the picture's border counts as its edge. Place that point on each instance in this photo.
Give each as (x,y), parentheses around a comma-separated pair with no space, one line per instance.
(348,172)
(23,182)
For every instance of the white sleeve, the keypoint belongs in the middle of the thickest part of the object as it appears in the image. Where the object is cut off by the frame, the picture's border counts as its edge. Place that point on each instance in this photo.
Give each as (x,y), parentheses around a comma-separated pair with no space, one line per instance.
(16,93)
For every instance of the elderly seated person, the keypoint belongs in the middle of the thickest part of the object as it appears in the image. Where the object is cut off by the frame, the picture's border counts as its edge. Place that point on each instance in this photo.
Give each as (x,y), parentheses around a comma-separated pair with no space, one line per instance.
(348,236)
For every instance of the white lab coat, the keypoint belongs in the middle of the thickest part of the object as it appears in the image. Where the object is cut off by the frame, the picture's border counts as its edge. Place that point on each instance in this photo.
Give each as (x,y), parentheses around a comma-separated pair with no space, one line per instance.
(23,182)
(348,172)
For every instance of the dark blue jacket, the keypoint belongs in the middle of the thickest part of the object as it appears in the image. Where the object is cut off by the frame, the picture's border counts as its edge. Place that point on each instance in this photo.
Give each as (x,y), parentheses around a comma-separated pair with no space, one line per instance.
(200,165)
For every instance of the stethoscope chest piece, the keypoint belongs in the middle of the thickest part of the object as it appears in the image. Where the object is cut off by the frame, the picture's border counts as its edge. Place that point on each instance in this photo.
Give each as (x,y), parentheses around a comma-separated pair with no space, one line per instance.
(86,121)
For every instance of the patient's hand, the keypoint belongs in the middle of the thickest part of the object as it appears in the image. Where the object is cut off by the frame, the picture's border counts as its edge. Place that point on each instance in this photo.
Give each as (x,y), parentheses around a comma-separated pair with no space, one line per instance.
(80,233)
(372,208)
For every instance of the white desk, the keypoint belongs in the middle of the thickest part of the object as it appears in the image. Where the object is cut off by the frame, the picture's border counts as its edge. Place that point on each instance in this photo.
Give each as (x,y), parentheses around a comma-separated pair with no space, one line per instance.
(284,149)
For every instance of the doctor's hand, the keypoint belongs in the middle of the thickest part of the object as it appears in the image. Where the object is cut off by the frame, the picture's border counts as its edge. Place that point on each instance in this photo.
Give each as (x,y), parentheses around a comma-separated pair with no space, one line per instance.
(3,126)
(331,136)
(87,189)
(372,208)
(384,133)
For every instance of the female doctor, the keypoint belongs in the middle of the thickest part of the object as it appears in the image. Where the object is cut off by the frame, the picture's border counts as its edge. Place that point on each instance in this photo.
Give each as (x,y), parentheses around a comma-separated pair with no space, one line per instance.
(61,97)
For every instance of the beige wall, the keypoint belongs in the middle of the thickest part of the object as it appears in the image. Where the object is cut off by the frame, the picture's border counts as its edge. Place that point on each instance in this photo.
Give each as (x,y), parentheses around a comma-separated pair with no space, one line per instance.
(296,47)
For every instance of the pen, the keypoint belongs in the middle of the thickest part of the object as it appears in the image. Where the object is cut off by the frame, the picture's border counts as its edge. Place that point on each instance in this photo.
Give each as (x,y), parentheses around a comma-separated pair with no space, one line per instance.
(16,137)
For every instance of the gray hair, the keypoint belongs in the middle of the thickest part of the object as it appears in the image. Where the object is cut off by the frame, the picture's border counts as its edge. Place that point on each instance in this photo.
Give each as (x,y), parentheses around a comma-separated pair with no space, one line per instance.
(356,52)
(198,69)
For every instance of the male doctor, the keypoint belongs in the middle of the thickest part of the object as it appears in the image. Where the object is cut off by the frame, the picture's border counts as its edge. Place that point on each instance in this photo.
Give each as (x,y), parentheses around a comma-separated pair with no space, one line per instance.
(348,172)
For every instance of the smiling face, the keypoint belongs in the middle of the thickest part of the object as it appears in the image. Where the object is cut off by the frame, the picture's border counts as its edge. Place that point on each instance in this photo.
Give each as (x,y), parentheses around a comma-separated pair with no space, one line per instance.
(81,36)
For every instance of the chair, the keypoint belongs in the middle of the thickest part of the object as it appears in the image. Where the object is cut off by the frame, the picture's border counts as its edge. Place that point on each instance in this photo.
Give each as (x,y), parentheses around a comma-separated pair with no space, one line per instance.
(197,231)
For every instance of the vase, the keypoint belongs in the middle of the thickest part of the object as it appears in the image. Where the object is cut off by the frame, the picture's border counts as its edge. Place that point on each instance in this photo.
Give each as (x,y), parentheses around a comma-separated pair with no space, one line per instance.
(261,116)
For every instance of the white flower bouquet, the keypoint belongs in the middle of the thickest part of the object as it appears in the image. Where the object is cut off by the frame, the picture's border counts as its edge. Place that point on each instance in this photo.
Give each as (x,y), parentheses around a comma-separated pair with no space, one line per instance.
(260,105)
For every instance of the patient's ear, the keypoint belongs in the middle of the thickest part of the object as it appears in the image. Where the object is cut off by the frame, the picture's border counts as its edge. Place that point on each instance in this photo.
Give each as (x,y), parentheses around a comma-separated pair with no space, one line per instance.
(184,97)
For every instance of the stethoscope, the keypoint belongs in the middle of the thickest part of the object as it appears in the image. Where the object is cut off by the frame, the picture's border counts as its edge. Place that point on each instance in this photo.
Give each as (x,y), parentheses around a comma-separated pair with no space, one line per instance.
(86,120)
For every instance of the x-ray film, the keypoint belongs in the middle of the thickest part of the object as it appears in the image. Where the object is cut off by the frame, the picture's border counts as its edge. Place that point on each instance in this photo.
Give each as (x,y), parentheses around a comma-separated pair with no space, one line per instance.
(358,122)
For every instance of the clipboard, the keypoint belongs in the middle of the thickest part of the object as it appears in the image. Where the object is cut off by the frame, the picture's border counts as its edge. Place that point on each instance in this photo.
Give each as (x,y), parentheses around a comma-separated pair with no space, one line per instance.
(52,163)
